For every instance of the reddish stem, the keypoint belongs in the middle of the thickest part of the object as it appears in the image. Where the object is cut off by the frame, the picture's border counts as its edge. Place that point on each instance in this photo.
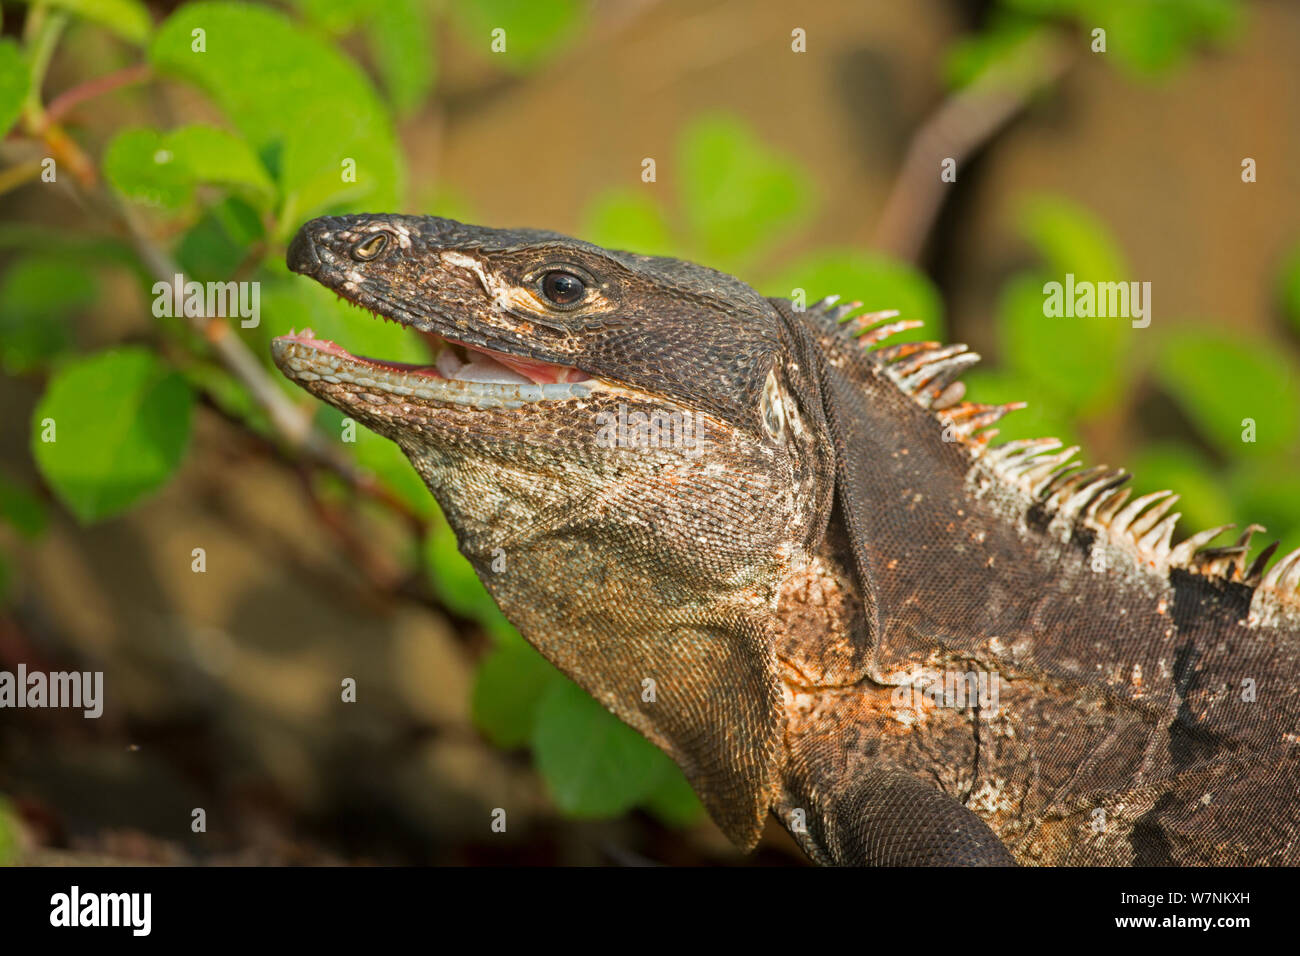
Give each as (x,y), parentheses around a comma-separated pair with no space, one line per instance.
(64,103)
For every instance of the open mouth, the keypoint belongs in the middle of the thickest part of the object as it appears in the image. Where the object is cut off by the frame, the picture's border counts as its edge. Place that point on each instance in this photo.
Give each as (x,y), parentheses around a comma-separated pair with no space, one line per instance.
(459,373)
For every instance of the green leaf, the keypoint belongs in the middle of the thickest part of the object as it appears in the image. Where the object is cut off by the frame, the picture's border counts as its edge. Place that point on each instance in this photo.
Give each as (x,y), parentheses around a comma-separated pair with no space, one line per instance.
(458,587)
(738,196)
(121,423)
(534,29)
(1271,497)
(384,458)
(334,16)
(300,304)
(139,167)
(314,109)
(1047,8)
(1079,362)
(214,247)
(673,801)
(594,764)
(877,281)
(1152,36)
(38,296)
(214,155)
(14,82)
(1082,362)
(628,219)
(970,58)
(379,456)
(1071,239)
(399,36)
(1222,380)
(1040,418)
(129,19)
(228,394)
(22,508)
(163,169)
(1205,502)
(508,689)
(449,203)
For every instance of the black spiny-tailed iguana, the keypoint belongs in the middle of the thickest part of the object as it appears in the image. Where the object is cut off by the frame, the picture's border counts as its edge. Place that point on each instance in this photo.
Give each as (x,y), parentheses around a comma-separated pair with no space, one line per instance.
(801,537)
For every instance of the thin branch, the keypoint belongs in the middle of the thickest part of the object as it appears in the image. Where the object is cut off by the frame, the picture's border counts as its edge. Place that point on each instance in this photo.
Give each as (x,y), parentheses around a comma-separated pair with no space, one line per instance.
(290,421)
(958,129)
(68,100)
(41,34)
(18,175)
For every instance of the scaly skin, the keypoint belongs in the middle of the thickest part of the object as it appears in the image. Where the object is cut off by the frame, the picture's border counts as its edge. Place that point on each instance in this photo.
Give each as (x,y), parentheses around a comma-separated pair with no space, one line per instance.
(826,524)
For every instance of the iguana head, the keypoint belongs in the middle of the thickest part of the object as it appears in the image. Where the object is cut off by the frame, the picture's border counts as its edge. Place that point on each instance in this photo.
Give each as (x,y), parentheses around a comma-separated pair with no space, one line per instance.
(618,442)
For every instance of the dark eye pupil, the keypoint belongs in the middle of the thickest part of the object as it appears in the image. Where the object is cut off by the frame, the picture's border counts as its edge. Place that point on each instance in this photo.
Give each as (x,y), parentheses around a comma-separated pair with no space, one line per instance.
(562,288)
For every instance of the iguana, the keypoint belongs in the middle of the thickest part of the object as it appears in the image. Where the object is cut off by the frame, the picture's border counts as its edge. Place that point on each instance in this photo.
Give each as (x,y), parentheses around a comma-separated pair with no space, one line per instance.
(789,556)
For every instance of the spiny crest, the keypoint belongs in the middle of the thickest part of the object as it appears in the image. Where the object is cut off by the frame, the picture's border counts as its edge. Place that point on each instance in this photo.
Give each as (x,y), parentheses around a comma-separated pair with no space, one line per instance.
(1047,477)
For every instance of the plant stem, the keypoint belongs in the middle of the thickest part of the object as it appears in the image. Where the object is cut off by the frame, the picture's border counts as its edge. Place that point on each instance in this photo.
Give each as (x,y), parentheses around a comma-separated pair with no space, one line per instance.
(962,125)
(41,33)
(66,101)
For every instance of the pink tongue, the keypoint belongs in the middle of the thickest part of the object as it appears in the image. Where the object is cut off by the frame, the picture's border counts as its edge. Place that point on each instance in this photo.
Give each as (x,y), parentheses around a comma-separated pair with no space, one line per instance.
(540,373)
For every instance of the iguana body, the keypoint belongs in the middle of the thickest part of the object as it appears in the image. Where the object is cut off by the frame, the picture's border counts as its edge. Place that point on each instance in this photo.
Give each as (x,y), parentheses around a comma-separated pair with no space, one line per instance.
(799,533)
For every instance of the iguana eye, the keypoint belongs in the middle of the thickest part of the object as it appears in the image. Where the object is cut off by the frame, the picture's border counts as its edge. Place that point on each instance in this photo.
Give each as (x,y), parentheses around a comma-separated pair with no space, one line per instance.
(773,410)
(563,288)
(371,246)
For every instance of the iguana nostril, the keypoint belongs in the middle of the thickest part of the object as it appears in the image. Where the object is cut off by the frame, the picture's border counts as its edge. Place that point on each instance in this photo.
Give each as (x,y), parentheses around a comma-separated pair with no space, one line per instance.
(301,256)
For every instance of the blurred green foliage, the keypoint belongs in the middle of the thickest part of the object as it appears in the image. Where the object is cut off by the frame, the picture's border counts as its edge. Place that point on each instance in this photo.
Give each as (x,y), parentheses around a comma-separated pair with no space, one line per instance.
(13,83)
(230,194)
(1148,38)
(111,427)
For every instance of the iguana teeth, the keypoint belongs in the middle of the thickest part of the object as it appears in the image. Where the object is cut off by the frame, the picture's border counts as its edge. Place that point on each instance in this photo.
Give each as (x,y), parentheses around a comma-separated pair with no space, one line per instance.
(1184,552)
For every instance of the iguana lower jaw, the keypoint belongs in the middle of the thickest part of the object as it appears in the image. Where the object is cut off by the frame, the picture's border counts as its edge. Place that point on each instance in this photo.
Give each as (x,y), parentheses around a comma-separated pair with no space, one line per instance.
(480,379)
